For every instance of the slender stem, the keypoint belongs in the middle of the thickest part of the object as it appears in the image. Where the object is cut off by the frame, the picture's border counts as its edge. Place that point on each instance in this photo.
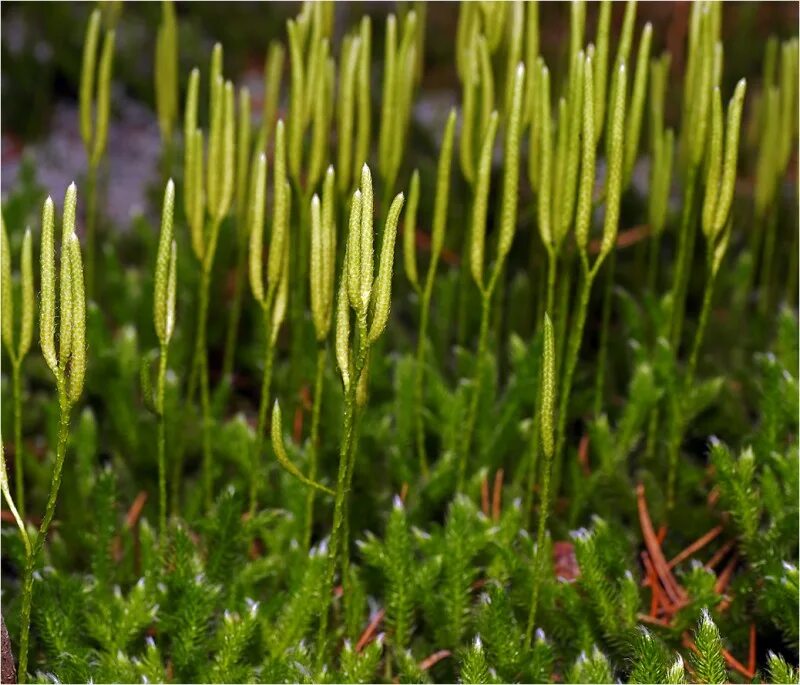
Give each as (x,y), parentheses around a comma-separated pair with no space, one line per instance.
(552,267)
(263,405)
(91,228)
(205,400)
(235,313)
(571,361)
(767,268)
(469,428)
(298,290)
(55,484)
(708,296)
(527,506)
(162,443)
(652,262)
(561,307)
(602,352)
(348,420)
(544,510)
(419,390)
(683,263)
(19,457)
(314,443)
(754,246)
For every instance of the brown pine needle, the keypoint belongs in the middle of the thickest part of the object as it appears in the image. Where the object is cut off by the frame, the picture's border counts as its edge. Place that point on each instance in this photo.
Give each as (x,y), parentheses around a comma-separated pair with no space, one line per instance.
(719,555)
(695,546)
(725,577)
(433,659)
(369,631)
(132,517)
(485,495)
(674,591)
(497,495)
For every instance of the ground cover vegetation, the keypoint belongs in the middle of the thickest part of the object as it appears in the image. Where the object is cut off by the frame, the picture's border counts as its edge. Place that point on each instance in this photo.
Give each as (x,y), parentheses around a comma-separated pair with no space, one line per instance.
(520,408)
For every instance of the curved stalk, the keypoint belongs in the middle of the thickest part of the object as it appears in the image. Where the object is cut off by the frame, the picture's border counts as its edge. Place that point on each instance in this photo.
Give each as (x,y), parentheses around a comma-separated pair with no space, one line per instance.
(235,313)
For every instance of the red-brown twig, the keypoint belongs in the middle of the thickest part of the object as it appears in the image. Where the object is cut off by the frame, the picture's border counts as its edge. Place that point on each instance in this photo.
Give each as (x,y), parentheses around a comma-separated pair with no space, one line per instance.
(433,659)
(497,495)
(724,578)
(583,454)
(135,512)
(369,631)
(485,495)
(719,555)
(695,546)
(674,591)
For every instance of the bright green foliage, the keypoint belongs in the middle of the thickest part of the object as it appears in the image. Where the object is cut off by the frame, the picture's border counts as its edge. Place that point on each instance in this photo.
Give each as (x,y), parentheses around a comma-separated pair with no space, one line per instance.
(707,660)
(457,508)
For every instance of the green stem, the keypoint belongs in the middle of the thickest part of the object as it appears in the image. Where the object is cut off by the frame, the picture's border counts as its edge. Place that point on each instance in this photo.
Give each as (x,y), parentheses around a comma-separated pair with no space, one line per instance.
(571,361)
(314,444)
(55,484)
(708,296)
(298,298)
(544,510)
(263,405)
(563,291)
(767,268)
(235,313)
(683,263)
(201,355)
(419,391)
(16,382)
(602,352)
(472,416)
(348,421)
(162,444)
(652,262)
(91,229)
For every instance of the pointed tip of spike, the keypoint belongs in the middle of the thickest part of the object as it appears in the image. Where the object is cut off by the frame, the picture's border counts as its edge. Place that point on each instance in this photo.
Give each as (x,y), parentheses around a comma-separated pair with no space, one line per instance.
(520,69)
(73,187)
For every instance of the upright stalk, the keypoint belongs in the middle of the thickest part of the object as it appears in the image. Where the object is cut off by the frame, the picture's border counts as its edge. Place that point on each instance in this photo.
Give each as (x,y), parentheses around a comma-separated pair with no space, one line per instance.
(322,353)
(342,488)
(602,352)
(235,314)
(571,361)
(420,380)
(683,264)
(266,384)
(44,527)
(162,442)
(19,468)
(201,361)
(545,414)
(469,428)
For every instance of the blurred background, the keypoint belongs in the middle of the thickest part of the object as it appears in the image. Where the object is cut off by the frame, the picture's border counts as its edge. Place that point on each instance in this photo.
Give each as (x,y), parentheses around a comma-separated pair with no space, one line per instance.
(41,57)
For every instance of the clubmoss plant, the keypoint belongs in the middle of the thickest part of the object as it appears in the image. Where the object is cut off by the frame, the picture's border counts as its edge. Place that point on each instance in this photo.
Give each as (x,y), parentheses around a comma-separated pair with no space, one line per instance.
(410,262)
(778,138)
(371,301)
(164,322)
(716,226)
(613,192)
(68,367)
(399,81)
(703,37)
(206,206)
(241,205)
(321,287)
(547,422)
(272,302)
(24,336)
(508,227)
(94,113)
